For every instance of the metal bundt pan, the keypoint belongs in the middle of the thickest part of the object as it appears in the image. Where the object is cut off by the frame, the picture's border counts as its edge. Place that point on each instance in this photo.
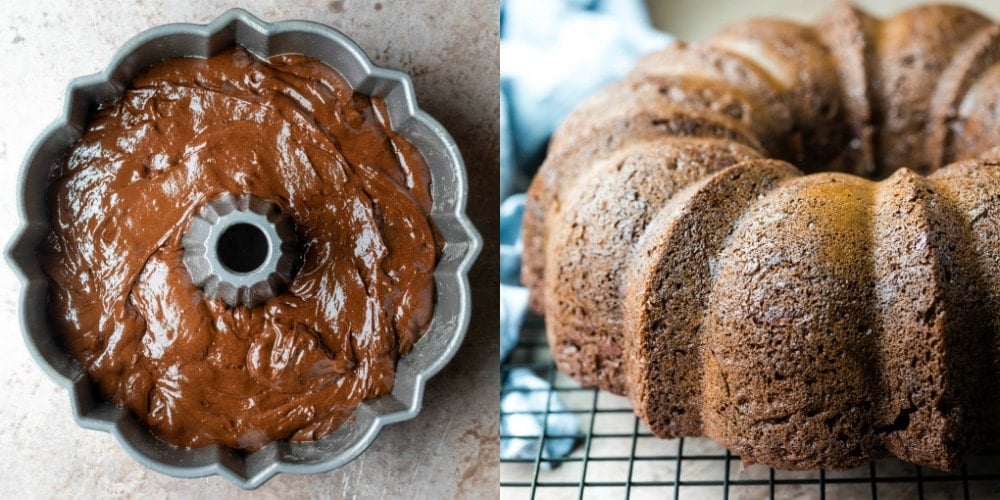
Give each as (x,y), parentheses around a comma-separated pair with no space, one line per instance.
(449,189)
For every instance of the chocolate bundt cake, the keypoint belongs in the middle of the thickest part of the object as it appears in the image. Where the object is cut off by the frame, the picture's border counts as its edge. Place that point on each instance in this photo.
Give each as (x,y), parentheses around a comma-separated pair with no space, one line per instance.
(817,315)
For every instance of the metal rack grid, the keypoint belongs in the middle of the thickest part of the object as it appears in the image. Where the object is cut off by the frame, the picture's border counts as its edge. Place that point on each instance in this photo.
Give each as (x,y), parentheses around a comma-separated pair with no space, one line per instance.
(616,456)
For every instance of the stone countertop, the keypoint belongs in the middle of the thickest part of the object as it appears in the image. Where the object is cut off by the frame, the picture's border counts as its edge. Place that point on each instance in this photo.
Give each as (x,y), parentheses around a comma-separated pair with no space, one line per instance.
(451,50)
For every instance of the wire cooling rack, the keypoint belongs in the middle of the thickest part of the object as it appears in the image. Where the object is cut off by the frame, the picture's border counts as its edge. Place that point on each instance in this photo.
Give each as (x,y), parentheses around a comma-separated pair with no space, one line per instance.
(616,456)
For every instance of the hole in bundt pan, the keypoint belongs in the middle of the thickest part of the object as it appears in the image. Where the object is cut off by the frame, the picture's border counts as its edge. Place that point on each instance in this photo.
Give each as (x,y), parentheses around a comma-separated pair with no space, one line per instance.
(242,248)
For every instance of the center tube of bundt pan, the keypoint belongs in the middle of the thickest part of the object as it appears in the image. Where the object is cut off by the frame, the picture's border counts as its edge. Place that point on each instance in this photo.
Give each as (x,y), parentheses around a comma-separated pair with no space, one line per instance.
(240,249)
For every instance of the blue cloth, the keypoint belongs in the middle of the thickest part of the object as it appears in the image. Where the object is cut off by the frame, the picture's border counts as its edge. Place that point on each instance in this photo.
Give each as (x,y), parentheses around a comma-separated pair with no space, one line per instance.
(553,54)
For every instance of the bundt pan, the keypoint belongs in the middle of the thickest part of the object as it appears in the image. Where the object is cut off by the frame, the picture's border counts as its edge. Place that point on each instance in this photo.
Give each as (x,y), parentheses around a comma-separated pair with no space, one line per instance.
(429,355)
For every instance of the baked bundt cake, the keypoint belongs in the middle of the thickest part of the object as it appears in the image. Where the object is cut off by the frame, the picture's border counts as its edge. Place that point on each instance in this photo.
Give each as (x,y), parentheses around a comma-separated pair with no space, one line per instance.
(821,317)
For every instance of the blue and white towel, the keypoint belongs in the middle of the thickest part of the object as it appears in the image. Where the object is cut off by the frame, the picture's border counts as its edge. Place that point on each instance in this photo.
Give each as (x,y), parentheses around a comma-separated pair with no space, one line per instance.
(553,53)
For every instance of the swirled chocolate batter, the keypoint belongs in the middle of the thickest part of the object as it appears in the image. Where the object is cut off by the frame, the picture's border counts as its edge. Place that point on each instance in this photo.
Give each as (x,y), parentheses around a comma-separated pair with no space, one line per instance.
(289,130)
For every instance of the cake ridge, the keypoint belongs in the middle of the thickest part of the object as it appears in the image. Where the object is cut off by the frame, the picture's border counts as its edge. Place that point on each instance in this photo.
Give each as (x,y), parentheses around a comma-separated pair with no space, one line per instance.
(587,316)
(729,68)
(787,328)
(649,295)
(978,331)
(629,119)
(852,66)
(914,48)
(897,275)
(972,60)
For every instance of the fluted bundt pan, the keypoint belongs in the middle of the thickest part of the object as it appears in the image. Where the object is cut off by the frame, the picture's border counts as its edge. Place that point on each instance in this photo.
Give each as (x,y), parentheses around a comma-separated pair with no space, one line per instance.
(786,238)
(452,301)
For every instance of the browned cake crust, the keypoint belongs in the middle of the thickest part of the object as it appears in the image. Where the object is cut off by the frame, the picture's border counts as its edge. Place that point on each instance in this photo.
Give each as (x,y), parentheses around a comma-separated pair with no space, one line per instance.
(803,320)
(848,31)
(612,117)
(605,213)
(913,50)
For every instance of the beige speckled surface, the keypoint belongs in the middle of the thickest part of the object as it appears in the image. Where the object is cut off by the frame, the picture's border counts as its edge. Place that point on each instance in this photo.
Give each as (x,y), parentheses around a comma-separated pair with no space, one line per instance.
(451,50)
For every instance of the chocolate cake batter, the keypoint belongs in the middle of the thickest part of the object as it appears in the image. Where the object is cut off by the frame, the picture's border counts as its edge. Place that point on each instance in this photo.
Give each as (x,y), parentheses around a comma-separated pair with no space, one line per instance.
(289,130)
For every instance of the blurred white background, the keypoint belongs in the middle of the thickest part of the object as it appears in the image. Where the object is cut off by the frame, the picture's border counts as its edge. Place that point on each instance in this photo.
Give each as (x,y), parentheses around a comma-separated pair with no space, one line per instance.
(697,19)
